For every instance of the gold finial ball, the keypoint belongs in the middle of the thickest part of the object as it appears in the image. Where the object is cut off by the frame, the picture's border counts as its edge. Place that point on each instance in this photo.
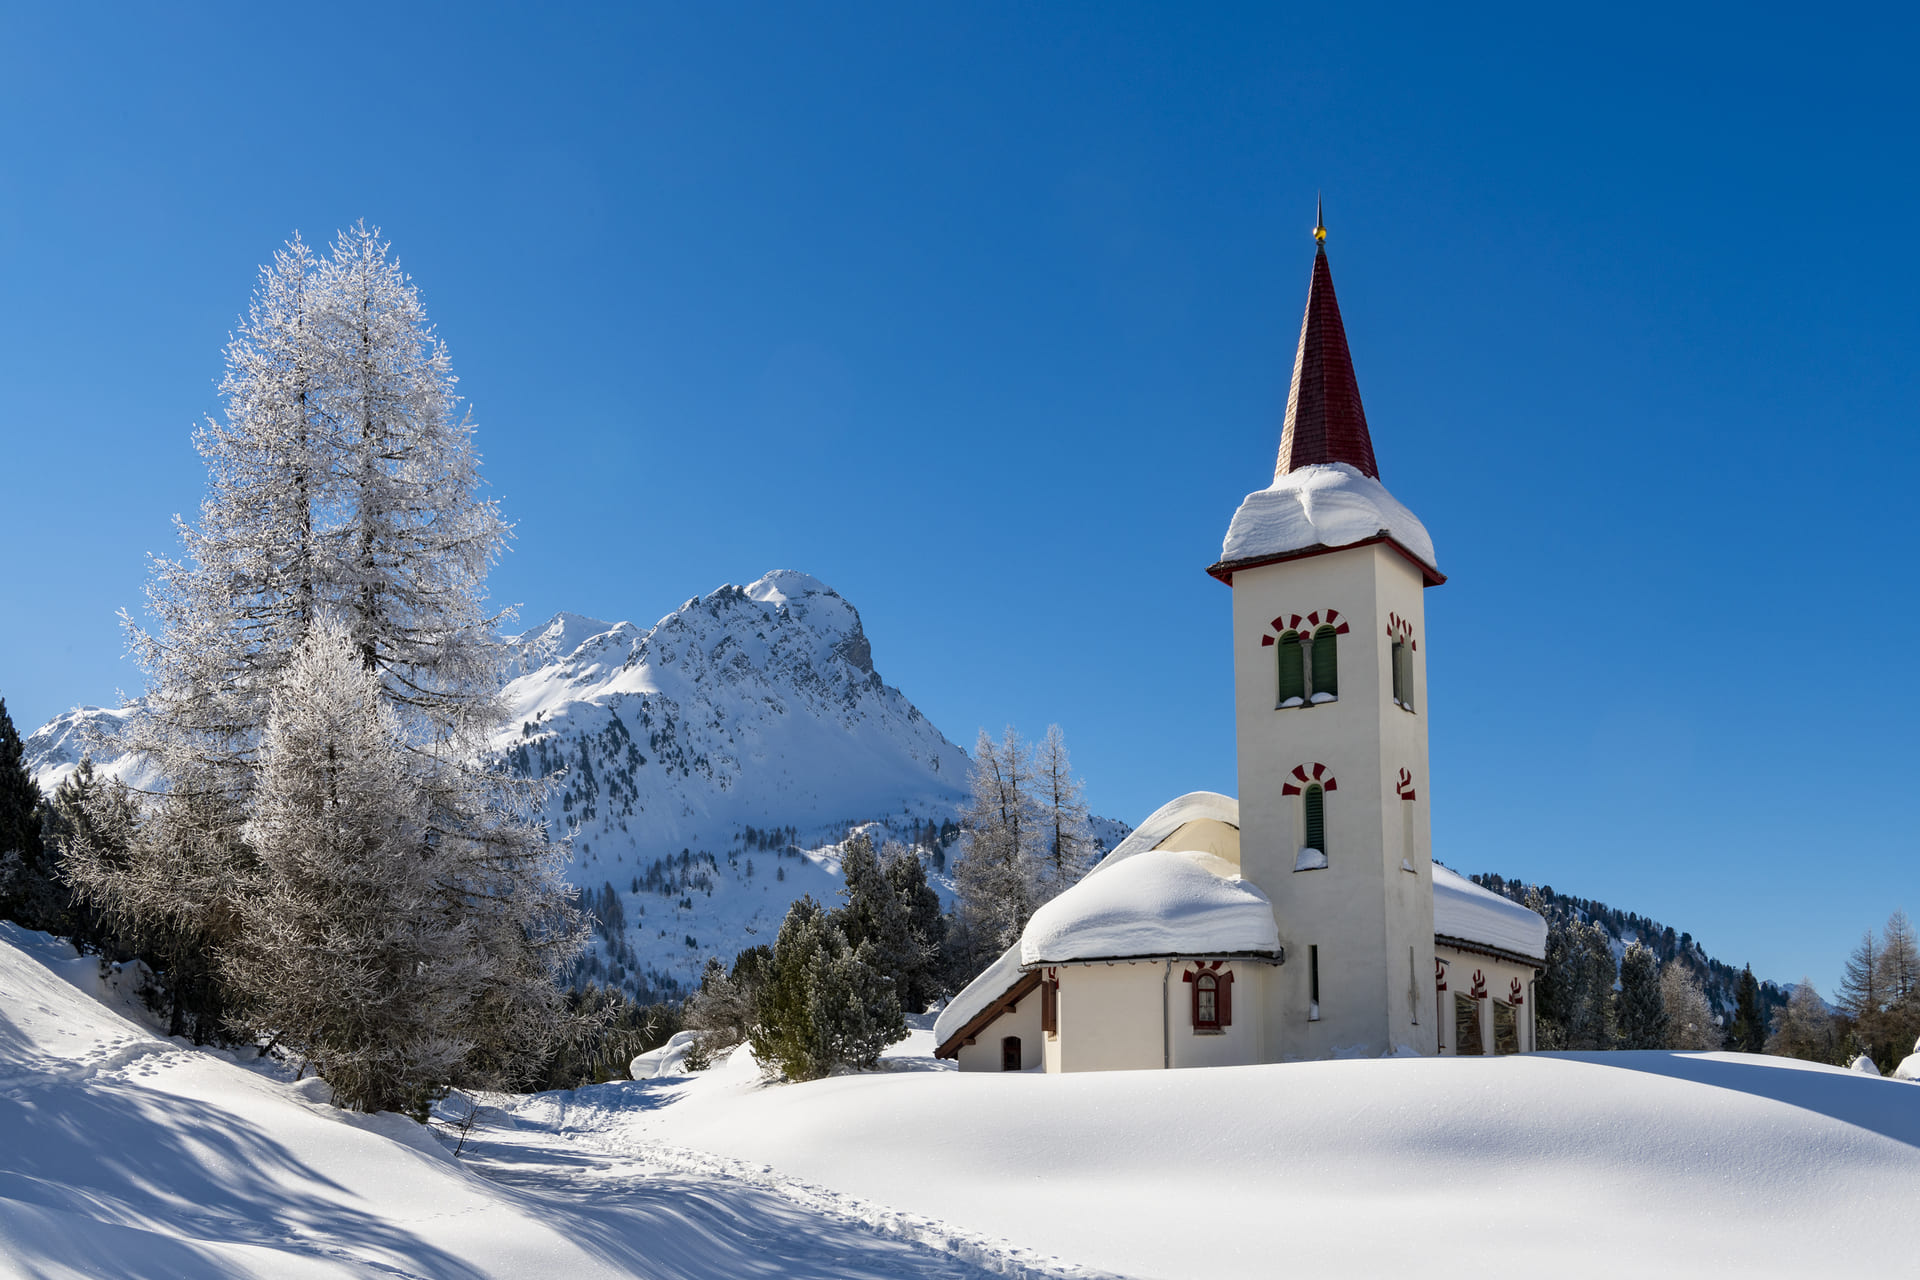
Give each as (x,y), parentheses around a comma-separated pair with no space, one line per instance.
(1319,235)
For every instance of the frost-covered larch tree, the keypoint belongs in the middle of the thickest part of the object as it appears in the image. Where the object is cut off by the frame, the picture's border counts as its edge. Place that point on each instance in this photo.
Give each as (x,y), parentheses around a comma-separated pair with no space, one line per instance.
(342,484)
(1690,1021)
(1070,847)
(355,950)
(998,873)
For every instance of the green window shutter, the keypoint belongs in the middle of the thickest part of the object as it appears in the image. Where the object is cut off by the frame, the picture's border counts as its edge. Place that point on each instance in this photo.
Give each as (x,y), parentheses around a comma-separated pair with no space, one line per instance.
(1316,806)
(1293,675)
(1326,662)
(1400,671)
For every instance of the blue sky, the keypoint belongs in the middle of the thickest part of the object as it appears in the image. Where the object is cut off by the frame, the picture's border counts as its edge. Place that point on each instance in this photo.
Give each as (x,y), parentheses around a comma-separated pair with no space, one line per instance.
(984,314)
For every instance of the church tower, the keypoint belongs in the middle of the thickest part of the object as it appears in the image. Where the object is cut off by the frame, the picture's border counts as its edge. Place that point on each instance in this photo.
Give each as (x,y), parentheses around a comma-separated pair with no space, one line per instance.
(1330,648)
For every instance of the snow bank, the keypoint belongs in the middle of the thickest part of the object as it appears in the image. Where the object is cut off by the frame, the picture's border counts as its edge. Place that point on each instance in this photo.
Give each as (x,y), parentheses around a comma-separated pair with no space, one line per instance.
(1158,826)
(1325,505)
(1158,903)
(1864,1065)
(670,1059)
(1462,909)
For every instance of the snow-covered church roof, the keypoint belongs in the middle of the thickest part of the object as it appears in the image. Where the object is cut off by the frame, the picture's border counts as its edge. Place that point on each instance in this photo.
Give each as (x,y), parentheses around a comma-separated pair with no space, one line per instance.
(1463,910)
(1163,902)
(1329,504)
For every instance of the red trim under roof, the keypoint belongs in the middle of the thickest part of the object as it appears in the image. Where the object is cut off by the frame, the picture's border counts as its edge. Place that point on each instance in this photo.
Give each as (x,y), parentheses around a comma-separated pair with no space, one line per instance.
(1225,569)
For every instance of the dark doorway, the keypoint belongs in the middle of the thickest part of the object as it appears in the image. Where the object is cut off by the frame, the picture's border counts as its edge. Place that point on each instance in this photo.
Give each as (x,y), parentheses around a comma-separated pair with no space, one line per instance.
(1010,1054)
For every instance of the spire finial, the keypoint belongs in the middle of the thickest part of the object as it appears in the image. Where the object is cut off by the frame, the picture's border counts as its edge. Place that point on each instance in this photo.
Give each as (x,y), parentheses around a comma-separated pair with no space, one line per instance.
(1319,221)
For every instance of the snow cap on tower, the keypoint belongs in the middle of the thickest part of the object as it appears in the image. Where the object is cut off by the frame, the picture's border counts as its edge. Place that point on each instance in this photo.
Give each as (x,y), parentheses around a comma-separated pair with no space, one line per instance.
(1325,422)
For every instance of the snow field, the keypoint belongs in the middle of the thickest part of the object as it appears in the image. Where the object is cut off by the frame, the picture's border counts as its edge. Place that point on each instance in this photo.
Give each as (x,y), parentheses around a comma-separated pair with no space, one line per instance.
(1701,1164)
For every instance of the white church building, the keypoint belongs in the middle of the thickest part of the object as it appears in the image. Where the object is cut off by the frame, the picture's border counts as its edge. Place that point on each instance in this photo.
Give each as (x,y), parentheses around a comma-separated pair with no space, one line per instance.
(1307,919)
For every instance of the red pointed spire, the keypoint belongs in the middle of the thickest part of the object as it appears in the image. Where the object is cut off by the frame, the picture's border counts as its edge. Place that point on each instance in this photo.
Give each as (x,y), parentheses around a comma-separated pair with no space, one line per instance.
(1325,422)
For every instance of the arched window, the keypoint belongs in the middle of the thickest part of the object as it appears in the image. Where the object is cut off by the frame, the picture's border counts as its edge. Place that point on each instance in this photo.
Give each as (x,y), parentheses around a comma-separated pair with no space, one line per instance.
(1212,997)
(1010,1054)
(1206,1003)
(1402,674)
(1293,671)
(1314,803)
(1326,664)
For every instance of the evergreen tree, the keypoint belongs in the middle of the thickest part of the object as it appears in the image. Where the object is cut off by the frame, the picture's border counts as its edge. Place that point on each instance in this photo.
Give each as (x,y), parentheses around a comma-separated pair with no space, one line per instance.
(823,1006)
(28,893)
(1749,1032)
(1069,847)
(1589,1023)
(1640,1012)
(1556,994)
(1690,1022)
(921,983)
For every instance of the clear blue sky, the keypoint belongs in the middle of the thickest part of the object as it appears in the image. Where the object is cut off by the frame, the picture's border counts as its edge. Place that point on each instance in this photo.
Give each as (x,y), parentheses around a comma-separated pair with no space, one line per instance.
(984,314)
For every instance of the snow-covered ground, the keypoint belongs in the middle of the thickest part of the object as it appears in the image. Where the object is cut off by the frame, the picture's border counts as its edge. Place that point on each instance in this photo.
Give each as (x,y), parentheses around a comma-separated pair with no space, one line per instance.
(125,1155)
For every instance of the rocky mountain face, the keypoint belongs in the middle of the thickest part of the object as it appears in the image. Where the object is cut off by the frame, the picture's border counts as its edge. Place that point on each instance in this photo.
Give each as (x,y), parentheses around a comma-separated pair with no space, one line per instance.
(708,768)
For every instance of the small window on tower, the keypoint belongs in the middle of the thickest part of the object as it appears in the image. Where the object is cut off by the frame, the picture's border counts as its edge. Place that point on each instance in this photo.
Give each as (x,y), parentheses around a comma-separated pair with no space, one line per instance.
(1402,674)
(1324,673)
(1313,829)
(1293,671)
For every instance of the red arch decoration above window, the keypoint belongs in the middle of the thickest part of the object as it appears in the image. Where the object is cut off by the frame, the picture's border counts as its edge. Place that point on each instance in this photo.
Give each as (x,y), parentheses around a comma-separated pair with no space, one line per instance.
(1320,774)
(1439,974)
(1514,990)
(1398,628)
(1306,626)
(1479,988)
(1404,787)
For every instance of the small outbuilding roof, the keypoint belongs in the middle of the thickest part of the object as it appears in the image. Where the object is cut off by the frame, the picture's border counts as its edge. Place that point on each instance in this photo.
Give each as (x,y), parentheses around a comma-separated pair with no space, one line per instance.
(1463,910)
(1163,902)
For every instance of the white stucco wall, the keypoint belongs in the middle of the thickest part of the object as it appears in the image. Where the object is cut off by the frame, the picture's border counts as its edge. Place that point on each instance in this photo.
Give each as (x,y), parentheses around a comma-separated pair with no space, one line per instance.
(1362,911)
(1498,977)
(1022,1020)
(1112,1018)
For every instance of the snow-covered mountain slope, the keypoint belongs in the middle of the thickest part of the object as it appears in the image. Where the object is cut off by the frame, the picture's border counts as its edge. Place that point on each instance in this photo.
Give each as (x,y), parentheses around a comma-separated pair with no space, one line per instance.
(708,767)
(127,1155)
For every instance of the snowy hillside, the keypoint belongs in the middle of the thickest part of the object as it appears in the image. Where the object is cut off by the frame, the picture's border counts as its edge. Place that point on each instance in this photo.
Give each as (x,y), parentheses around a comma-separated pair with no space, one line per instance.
(709,766)
(123,1154)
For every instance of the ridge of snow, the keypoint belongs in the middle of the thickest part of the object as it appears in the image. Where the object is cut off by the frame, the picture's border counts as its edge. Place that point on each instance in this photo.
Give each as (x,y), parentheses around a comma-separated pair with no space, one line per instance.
(1327,504)
(1462,909)
(1157,903)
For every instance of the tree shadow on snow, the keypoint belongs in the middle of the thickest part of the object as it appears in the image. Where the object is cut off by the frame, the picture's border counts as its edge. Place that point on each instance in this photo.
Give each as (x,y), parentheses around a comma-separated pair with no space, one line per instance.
(1890,1108)
(159,1174)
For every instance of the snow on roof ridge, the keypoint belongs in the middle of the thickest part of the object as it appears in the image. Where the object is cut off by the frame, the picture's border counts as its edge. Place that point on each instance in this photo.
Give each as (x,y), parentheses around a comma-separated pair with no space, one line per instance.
(1325,504)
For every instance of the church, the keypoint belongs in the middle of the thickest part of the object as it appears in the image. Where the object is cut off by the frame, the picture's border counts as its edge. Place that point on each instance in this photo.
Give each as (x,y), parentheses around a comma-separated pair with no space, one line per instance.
(1307,919)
